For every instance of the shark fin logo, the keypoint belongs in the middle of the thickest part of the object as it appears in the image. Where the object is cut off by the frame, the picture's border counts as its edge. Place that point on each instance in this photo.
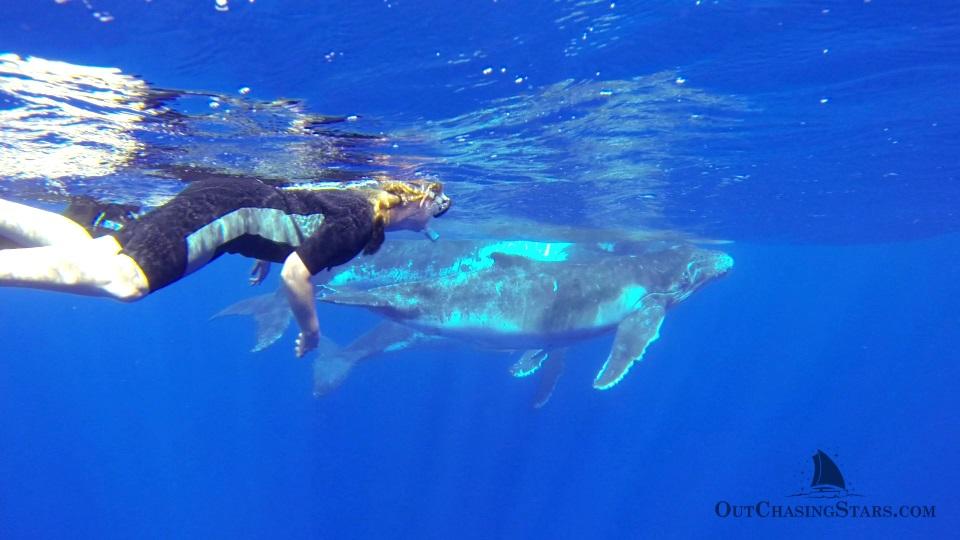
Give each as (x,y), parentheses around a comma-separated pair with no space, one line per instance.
(827,482)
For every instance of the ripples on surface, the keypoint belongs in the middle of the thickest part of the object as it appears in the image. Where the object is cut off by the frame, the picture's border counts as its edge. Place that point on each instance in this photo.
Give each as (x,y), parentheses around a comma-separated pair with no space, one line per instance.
(572,146)
(812,123)
(62,120)
(78,130)
(591,152)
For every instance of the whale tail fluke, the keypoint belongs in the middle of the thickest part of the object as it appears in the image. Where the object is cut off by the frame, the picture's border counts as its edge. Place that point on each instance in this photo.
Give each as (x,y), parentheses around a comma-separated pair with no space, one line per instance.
(334,363)
(331,366)
(271,314)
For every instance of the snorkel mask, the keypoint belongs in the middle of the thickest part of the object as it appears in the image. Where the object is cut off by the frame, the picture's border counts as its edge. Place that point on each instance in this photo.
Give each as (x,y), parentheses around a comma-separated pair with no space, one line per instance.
(424,199)
(434,196)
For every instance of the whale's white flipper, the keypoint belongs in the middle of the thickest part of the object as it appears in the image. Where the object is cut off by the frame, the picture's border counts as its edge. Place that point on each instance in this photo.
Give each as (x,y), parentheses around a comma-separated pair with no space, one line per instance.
(549,376)
(529,363)
(634,334)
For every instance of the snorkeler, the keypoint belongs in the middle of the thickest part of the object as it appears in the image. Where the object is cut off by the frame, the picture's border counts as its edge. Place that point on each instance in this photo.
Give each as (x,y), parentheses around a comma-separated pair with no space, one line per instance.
(307,229)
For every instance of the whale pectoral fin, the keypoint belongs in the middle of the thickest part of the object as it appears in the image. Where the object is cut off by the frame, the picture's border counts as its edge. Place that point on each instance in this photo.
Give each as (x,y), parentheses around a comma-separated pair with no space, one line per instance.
(634,334)
(271,314)
(549,376)
(529,363)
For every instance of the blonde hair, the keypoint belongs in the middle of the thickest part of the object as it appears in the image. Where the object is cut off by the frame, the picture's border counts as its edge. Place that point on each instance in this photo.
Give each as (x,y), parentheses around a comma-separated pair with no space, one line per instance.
(387,194)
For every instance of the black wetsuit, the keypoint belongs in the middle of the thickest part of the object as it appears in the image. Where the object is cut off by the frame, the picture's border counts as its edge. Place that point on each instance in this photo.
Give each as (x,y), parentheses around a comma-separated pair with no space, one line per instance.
(325,227)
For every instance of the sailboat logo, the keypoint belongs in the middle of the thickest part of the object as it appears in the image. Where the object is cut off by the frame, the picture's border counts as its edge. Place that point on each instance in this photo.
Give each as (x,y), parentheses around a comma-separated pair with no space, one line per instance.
(827,482)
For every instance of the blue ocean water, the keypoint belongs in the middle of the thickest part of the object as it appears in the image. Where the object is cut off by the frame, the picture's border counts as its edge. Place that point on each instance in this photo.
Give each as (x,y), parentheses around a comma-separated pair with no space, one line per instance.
(820,138)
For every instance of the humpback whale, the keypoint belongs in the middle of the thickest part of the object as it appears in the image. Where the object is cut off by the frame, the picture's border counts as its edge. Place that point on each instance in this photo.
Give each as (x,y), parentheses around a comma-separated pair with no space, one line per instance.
(526,303)
(537,297)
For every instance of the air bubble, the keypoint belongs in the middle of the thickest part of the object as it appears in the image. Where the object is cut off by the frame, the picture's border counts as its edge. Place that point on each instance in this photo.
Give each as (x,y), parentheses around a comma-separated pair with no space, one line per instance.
(221,5)
(244,91)
(487,71)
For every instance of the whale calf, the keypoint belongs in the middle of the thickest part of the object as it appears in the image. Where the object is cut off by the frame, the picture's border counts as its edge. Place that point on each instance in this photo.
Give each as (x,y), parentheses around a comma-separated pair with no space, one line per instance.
(525,303)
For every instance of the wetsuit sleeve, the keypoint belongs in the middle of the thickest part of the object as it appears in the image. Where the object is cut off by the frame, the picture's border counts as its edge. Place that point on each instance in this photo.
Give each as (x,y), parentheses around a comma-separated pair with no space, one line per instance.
(338,240)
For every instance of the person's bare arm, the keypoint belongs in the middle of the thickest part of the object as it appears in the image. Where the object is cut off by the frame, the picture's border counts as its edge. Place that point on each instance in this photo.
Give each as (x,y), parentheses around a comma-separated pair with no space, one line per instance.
(296,283)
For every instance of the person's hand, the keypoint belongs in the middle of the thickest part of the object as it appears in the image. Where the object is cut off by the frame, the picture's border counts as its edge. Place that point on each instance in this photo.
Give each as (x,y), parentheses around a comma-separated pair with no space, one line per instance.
(259,272)
(306,342)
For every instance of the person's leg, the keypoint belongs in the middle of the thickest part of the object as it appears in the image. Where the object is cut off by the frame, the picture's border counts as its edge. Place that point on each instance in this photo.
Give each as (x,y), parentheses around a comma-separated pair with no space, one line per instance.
(93,267)
(28,226)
